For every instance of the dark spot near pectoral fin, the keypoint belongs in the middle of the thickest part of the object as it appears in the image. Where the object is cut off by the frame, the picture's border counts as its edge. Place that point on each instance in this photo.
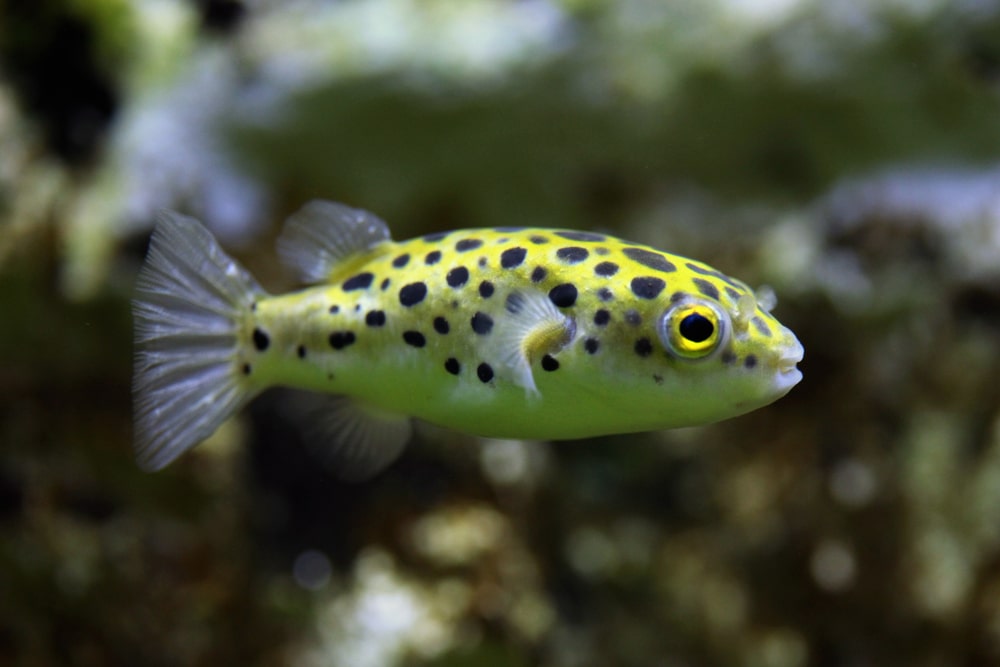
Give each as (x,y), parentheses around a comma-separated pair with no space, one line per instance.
(563,295)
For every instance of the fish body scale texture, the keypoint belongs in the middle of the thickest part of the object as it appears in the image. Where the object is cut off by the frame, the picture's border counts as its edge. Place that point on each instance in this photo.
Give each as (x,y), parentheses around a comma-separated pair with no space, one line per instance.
(422,328)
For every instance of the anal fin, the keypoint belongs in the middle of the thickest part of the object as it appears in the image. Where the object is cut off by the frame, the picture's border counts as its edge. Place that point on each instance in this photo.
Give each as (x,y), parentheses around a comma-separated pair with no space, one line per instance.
(353,440)
(533,327)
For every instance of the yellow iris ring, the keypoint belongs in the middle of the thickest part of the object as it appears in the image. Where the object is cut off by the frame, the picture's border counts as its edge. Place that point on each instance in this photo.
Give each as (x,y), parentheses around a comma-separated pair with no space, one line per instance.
(688,347)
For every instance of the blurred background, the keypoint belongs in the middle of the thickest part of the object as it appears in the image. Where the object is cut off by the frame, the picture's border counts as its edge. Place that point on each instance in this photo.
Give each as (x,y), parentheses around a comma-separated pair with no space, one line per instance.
(844,152)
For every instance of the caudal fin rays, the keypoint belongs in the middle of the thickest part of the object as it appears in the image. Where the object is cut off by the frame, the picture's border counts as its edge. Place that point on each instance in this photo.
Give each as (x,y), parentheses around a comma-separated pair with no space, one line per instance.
(190,299)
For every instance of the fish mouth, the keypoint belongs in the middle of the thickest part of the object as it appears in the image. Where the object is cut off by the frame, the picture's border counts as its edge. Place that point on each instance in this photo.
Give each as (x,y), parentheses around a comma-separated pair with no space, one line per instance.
(788,374)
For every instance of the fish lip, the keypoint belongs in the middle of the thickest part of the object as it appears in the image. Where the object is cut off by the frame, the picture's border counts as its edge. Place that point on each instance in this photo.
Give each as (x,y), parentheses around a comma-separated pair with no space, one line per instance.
(788,374)
(792,354)
(788,364)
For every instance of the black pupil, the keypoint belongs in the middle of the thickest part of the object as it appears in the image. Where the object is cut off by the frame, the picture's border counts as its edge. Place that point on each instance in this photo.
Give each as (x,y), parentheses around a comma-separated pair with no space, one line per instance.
(696,328)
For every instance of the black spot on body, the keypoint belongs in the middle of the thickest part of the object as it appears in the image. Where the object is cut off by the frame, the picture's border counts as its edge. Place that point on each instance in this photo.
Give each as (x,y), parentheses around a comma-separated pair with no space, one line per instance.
(643,347)
(606,269)
(253,307)
(414,338)
(457,277)
(482,323)
(412,294)
(435,236)
(538,275)
(677,296)
(452,366)
(658,379)
(604,294)
(700,269)
(591,345)
(512,257)
(375,318)
(483,261)
(465,245)
(385,284)
(539,240)
(334,310)
(750,361)
(602,317)
(485,372)
(647,287)
(260,339)
(301,351)
(572,254)
(341,339)
(401,261)
(761,326)
(360,281)
(432,258)
(486,289)
(714,274)
(441,325)
(706,288)
(649,259)
(246,369)
(582,236)
(733,294)
(602,251)
(633,317)
(550,363)
(728,357)
(563,295)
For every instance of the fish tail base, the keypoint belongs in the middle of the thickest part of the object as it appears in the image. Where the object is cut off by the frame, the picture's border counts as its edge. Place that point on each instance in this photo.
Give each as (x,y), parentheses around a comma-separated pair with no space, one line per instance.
(191,300)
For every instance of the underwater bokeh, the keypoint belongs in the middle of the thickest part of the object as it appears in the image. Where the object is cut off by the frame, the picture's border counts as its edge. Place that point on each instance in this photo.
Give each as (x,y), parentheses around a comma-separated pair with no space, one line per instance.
(846,154)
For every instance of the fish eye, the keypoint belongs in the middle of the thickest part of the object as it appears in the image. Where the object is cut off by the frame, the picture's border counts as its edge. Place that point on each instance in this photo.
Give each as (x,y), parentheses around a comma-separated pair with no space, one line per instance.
(696,328)
(692,329)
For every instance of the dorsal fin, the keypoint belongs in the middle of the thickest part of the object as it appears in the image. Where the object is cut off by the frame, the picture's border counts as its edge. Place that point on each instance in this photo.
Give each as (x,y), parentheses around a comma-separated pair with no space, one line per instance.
(322,234)
(534,327)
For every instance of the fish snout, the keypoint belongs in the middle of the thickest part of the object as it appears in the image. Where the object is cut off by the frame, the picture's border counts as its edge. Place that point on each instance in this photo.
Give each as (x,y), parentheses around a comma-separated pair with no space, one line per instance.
(787,374)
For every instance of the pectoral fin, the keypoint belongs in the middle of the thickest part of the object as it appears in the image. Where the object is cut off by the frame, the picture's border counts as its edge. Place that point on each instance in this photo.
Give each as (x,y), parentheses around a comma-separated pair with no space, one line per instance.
(532,327)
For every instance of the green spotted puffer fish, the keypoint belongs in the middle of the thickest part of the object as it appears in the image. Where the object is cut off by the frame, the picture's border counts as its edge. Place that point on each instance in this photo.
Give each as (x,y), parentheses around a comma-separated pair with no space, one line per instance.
(509,332)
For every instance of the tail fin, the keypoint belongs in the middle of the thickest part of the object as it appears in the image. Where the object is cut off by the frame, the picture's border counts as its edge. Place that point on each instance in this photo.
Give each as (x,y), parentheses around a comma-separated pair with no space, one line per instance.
(190,300)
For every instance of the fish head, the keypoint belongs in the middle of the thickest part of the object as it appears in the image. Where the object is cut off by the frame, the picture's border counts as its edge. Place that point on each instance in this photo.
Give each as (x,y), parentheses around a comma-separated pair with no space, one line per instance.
(738,355)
